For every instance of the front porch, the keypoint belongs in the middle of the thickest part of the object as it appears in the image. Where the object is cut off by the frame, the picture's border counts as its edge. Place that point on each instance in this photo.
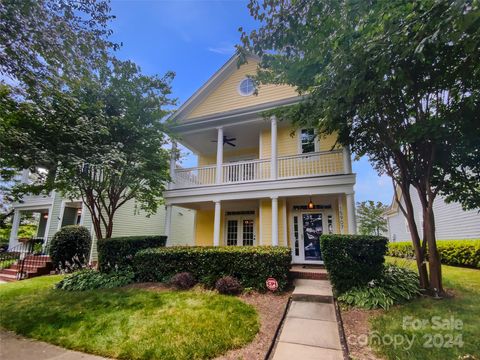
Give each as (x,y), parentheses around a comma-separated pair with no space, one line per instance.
(293,221)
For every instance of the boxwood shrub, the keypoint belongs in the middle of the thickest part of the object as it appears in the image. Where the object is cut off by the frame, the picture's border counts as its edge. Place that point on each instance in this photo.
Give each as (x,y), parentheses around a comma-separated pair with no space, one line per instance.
(118,252)
(452,252)
(70,247)
(250,265)
(353,260)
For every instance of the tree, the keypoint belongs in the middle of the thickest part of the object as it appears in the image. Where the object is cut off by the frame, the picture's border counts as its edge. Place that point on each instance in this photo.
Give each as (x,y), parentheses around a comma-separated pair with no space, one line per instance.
(370,218)
(398,81)
(101,139)
(45,40)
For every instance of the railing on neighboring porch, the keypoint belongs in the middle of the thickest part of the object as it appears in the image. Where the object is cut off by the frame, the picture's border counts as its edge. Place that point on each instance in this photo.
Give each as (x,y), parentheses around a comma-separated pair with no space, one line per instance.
(24,258)
(295,166)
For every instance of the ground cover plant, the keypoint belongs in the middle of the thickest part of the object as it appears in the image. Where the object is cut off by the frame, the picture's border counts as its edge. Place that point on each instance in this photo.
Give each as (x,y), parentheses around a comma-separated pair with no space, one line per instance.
(463,306)
(128,323)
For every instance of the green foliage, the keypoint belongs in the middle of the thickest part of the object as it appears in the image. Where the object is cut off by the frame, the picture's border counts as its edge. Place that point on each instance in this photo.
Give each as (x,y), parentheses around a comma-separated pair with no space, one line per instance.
(250,265)
(118,253)
(70,247)
(452,252)
(89,279)
(353,260)
(396,285)
(63,38)
(370,218)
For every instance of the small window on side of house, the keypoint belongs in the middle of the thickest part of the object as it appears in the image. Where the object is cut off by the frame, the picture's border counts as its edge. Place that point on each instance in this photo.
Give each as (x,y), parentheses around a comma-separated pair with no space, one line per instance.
(307,140)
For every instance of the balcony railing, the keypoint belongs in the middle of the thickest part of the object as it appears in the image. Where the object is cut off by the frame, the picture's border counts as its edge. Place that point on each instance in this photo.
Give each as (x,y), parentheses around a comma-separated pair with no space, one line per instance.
(295,166)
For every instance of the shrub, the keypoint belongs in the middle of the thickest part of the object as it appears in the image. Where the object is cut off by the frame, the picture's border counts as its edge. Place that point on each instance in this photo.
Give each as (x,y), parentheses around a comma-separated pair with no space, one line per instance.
(183,281)
(353,260)
(90,279)
(118,253)
(228,285)
(70,247)
(452,252)
(395,286)
(250,265)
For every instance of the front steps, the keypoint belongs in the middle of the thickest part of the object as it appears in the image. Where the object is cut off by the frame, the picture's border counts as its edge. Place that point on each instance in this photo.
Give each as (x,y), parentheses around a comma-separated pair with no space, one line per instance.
(312,291)
(313,272)
(33,265)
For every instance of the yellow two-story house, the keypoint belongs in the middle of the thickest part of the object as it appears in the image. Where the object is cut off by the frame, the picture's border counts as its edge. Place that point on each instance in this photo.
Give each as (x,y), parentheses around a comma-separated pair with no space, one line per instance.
(259,181)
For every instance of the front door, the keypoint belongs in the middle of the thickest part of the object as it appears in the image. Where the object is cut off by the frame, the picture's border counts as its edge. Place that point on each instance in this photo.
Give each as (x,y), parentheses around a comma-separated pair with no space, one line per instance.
(307,229)
(240,231)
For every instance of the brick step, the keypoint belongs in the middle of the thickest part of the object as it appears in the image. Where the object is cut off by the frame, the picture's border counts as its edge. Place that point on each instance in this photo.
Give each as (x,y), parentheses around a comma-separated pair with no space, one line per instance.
(8,271)
(7,277)
(313,273)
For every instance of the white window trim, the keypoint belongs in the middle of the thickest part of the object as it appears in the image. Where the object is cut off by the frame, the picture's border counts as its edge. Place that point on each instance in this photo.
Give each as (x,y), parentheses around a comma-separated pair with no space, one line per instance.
(247,94)
(299,141)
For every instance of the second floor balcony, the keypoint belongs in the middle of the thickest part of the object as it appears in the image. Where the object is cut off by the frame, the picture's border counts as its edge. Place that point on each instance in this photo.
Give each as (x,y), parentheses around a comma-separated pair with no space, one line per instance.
(324,163)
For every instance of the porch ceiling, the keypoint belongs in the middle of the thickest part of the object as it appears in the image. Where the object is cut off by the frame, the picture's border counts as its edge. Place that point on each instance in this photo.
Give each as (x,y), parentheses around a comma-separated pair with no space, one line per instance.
(246,134)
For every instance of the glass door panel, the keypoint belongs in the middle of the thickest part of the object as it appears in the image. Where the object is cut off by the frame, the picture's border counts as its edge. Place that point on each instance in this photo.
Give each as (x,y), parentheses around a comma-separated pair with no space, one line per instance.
(248,232)
(232,232)
(312,229)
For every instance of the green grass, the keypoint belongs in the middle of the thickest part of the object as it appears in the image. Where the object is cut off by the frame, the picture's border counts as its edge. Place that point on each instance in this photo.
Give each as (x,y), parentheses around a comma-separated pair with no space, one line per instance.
(464,306)
(128,323)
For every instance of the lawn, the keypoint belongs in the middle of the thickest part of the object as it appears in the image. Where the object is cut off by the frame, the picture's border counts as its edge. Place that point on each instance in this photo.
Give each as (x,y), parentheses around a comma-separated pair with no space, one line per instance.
(128,323)
(428,342)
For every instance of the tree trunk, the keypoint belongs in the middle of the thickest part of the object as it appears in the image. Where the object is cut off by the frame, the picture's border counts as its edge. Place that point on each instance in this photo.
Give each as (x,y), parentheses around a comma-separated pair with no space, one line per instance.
(417,246)
(434,264)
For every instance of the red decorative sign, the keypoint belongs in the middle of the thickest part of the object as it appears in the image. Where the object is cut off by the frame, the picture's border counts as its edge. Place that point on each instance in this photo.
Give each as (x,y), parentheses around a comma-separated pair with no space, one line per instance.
(272,284)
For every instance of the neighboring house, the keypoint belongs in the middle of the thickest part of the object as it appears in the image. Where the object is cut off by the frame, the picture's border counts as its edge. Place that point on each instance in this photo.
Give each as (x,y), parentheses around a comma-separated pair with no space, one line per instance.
(258,181)
(451,221)
(56,212)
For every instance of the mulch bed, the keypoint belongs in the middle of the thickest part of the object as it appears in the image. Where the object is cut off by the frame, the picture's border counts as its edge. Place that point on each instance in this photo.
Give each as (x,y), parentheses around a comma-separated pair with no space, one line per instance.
(355,325)
(270,308)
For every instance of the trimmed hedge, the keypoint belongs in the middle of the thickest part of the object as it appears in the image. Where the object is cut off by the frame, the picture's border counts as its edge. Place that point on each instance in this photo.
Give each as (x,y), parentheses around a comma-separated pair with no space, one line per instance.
(251,265)
(452,252)
(118,252)
(353,260)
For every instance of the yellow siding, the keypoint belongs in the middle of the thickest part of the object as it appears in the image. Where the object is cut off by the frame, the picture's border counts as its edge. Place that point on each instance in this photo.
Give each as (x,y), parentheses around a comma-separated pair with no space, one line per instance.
(204,228)
(211,159)
(226,97)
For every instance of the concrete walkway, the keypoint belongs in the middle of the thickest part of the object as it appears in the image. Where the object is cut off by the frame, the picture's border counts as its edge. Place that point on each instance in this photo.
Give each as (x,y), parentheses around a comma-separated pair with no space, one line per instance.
(14,347)
(310,330)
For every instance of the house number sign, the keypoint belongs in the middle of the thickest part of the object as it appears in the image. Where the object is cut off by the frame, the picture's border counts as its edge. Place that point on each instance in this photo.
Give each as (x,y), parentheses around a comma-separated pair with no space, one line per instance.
(272,284)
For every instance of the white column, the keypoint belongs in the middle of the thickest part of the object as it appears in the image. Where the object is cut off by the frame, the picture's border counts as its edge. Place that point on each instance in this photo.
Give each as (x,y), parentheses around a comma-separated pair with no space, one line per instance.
(352,223)
(219,154)
(273,159)
(14,232)
(347,160)
(168,224)
(173,164)
(274,221)
(216,223)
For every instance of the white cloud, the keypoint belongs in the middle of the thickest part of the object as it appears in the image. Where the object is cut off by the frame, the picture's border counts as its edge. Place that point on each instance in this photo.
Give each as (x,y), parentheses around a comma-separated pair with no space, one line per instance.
(223,48)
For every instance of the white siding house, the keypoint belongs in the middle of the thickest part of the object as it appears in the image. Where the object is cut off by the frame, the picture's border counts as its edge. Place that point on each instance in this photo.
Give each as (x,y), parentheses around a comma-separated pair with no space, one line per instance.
(451,221)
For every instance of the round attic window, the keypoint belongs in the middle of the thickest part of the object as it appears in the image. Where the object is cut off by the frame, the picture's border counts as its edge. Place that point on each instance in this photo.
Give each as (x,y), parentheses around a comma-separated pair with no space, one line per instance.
(246,87)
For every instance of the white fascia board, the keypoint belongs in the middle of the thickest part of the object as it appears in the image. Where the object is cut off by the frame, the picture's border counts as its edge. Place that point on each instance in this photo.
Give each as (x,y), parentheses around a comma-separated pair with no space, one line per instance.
(263,189)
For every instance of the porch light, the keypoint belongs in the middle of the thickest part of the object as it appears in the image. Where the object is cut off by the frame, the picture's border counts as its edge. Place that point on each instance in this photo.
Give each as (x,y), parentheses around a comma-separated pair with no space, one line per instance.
(79,211)
(310,204)
(45,216)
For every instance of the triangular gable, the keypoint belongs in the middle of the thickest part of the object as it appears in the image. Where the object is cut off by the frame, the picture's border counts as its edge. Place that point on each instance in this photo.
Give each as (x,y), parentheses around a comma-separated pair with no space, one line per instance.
(220,93)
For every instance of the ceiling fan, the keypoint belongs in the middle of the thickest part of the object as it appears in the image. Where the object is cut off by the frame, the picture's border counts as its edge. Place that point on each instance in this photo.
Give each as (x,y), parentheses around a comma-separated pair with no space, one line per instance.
(227,140)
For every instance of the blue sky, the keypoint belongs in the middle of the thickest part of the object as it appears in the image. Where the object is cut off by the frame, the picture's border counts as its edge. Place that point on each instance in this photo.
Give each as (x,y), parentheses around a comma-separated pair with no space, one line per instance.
(194,38)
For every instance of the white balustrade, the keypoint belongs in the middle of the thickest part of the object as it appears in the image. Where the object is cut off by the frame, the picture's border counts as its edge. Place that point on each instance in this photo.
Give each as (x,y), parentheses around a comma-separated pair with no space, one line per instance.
(295,166)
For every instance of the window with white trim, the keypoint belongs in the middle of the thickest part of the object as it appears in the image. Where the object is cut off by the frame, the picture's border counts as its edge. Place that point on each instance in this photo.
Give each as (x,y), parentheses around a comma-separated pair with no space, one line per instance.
(307,141)
(246,87)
